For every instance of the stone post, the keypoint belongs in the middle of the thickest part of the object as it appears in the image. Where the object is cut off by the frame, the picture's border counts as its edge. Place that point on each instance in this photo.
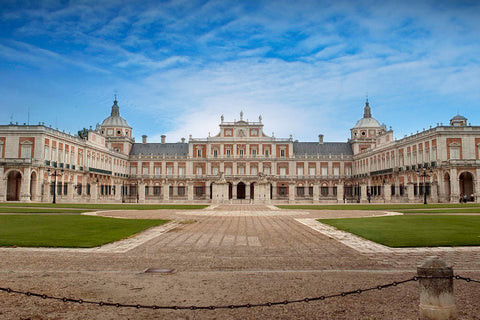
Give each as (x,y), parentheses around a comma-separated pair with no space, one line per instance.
(25,186)
(410,192)
(190,191)
(46,191)
(434,191)
(316,192)
(437,301)
(234,191)
(363,193)
(94,191)
(166,191)
(118,192)
(69,191)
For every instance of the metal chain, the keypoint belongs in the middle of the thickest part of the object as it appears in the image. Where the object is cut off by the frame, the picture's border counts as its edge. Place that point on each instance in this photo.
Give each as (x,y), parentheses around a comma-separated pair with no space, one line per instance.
(233,306)
(457,277)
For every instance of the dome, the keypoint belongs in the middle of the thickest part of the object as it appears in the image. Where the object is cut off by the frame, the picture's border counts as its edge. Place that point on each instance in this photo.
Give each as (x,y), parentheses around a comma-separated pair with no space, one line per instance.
(115,120)
(367,123)
(458,117)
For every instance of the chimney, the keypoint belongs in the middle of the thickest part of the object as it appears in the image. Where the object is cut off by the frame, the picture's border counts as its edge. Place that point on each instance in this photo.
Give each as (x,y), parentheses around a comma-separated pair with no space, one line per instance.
(144,138)
(183,140)
(320,139)
(163,138)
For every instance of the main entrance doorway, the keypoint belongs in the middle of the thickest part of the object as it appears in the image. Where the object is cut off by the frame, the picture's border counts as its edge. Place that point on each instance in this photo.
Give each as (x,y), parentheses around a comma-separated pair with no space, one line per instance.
(241,190)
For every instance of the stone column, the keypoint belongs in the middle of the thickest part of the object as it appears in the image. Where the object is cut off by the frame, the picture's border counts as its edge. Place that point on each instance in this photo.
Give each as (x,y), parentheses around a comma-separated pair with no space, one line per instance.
(316,192)
(190,191)
(291,192)
(207,190)
(247,190)
(437,300)
(410,193)
(434,191)
(454,186)
(275,191)
(70,191)
(141,192)
(166,191)
(363,193)
(25,187)
(340,193)
(3,185)
(477,186)
(118,192)
(94,191)
(234,191)
(387,192)
(46,191)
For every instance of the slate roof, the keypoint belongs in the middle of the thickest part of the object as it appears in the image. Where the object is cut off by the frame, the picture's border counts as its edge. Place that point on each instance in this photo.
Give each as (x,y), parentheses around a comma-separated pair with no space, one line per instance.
(168,149)
(314,148)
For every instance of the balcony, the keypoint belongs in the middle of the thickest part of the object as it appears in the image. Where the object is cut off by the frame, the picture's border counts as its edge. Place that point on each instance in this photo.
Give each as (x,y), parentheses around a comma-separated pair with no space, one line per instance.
(16,161)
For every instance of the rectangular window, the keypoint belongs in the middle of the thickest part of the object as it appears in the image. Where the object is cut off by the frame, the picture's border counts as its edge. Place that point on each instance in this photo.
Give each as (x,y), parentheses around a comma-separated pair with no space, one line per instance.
(254,153)
(229,152)
(454,153)
(215,171)
(156,190)
(133,170)
(169,170)
(241,153)
(215,153)
(267,153)
(324,171)
(311,171)
(157,170)
(283,171)
(199,191)
(266,170)
(300,171)
(199,171)
(145,170)
(199,153)
(181,171)
(324,191)
(336,171)
(282,153)
(47,152)
(228,171)
(181,191)
(300,191)
(241,171)
(254,170)
(26,151)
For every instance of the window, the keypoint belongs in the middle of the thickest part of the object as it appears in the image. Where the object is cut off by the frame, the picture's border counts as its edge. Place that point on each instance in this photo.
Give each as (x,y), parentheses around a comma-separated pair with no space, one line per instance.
(229,152)
(336,171)
(300,191)
(145,170)
(311,171)
(199,171)
(156,190)
(254,153)
(241,153)
(181,171)
(324,171)
(133,170)
(228,171)
(215,153)
(215,170)
(454,152)
(300,171)
(254,170)
(267,152)
(283,171)
(181,191)
(282,153)
(199,191)
(199,153)
(266,170)
(47,152)
(158,170)
(169,170)
(26,149)
(324,191)
(241,171)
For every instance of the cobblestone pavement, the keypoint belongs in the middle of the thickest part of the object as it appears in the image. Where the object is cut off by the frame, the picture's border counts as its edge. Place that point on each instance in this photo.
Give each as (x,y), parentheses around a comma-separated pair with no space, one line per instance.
(222,255)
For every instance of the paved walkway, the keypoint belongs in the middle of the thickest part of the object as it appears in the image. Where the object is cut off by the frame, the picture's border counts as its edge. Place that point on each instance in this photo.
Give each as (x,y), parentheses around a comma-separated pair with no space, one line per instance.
(224,254)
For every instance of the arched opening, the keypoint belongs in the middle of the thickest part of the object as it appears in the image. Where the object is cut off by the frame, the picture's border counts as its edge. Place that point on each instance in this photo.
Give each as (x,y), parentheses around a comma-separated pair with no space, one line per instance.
(466,185)
(230,188)
(33,186)
(446,182)
(241,190)
(211,190)
(14,182)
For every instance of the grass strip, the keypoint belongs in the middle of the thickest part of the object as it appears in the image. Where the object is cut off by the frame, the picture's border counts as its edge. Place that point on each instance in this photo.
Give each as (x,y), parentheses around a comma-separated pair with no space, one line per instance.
(40,210)
(414,231)
(433,211)
(68,230)
(378,206)
(109,206)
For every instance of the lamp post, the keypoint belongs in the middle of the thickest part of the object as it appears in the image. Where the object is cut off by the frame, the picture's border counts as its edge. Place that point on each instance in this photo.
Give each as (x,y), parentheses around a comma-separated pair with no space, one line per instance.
(423,173)
(55,175)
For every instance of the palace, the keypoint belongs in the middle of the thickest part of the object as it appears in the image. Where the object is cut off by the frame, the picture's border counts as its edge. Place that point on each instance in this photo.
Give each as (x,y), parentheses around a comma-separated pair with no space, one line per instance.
(239,164)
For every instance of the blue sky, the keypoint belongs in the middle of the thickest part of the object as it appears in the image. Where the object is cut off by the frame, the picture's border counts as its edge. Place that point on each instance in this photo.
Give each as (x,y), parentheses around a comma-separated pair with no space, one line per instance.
(305,66)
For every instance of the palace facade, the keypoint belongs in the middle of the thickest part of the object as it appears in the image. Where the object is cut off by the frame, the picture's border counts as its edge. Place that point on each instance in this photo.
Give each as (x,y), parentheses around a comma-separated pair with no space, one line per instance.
(239,164)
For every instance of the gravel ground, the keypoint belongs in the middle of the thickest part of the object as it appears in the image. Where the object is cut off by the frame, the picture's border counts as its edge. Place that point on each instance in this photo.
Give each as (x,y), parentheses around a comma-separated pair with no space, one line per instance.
(224,259)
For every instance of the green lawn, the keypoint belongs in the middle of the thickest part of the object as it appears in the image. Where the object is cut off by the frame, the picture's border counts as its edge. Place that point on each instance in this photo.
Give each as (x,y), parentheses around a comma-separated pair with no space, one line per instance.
(414,231)
(73,231)
(378,206)
(440,210)
(39,210)
(108,206)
